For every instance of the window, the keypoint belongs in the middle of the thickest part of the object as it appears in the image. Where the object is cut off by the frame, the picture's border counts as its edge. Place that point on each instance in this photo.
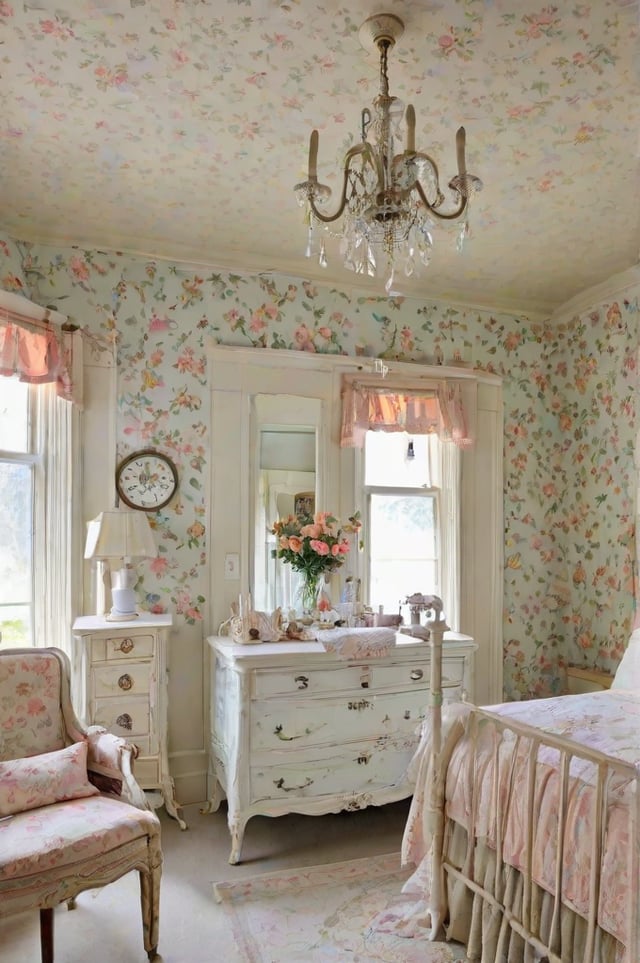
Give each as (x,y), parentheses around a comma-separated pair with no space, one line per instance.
(18,461)
(411,494)
(40,546)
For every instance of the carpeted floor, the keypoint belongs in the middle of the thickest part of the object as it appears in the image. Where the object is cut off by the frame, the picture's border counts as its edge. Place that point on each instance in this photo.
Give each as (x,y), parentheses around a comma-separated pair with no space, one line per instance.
(325,914)
(194,928)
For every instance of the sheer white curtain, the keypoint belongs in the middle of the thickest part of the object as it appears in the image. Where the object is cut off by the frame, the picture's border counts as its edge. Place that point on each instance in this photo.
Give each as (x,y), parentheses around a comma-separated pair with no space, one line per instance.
(450,506)
(57,545)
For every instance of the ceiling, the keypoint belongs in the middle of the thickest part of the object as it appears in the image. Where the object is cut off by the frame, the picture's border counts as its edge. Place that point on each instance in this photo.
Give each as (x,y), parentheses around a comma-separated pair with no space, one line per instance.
(177,128)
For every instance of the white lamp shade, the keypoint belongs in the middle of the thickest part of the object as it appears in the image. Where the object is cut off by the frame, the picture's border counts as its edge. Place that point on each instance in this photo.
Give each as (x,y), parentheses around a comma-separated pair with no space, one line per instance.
(119,534)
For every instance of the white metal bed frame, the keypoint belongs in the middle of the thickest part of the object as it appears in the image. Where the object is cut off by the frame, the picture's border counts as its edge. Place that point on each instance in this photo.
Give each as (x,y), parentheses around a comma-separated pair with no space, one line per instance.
(606,768)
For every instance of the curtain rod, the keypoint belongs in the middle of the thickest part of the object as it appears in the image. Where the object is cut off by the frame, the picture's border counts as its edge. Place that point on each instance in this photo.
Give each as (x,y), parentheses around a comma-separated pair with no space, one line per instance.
(42,324)
(400,383)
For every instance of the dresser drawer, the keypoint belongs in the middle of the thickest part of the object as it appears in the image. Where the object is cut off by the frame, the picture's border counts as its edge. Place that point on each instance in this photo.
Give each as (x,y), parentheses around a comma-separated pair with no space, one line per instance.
(118,680)
(340,771)
(405,676)
(122,646)
(278,724)
(279,682)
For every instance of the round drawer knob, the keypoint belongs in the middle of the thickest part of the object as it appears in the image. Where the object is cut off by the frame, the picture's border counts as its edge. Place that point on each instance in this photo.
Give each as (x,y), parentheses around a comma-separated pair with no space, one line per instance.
(416,674)
(127,645)
(125,682)
(125,721)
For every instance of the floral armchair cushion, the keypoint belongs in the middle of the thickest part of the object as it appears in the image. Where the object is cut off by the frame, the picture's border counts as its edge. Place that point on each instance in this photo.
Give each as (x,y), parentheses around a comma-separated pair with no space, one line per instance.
(44,779)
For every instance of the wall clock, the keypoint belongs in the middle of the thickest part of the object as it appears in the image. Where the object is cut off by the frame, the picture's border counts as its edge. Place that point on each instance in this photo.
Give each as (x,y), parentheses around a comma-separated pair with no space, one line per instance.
(146,480)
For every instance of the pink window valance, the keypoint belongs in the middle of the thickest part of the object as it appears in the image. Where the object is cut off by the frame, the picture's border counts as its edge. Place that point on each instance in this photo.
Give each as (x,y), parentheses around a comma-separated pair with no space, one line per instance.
(37,351)
(418,411)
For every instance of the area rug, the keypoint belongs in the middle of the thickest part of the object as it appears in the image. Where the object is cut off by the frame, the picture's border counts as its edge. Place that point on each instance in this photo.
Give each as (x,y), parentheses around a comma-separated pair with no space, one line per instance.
(325,914)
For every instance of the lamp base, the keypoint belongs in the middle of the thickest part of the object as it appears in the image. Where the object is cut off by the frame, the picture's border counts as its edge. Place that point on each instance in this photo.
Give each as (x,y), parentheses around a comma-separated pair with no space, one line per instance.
(111,617)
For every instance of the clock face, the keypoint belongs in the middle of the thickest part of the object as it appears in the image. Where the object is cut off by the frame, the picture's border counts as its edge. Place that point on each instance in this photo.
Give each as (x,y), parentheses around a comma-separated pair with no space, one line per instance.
(146,480)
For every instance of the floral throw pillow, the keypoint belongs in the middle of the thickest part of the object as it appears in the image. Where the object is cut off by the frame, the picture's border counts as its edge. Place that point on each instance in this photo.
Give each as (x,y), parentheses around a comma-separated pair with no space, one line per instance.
(44,779)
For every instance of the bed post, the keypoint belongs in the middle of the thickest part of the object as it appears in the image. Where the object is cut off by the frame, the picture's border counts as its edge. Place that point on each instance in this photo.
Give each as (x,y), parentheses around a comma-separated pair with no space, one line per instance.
(437,903)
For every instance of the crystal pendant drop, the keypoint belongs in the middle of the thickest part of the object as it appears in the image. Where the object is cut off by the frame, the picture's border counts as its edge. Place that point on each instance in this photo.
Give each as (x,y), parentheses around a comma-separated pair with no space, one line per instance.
(462,236)
(322,260)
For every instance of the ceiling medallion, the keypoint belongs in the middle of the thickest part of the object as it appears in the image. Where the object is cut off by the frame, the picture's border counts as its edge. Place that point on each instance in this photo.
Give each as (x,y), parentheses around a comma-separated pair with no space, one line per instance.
(390,201)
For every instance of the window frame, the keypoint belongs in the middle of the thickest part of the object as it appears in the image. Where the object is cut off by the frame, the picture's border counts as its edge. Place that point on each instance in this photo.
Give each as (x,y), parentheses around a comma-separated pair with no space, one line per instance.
(448,541)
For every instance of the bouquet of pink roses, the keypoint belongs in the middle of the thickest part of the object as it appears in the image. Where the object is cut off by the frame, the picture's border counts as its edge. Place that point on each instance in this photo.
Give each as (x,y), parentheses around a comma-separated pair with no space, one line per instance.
(314,545)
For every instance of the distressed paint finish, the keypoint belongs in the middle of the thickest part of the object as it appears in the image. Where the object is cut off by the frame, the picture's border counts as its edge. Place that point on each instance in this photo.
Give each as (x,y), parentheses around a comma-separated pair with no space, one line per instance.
(344,741)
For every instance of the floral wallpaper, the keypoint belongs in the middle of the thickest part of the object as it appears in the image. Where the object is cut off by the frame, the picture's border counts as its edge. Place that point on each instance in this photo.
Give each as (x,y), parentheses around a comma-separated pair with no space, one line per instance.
(570,399)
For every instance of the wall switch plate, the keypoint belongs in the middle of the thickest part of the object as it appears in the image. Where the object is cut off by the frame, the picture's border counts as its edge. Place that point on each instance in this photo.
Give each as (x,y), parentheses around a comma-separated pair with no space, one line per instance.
(231,566)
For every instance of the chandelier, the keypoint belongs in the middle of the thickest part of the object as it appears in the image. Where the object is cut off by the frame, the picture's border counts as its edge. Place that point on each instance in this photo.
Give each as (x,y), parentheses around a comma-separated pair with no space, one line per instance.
(390,201)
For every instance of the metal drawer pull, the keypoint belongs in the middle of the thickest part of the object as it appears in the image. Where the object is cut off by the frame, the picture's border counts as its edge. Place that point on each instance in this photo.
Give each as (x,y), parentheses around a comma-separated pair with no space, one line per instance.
(125,682)
(279,784)
(416,674)
(303,681)
(125,721)
(365,679)
(127,645)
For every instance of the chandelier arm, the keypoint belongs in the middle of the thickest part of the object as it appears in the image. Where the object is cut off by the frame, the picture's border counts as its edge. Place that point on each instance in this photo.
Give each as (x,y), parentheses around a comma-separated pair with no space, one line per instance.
(434,210)
(363,149)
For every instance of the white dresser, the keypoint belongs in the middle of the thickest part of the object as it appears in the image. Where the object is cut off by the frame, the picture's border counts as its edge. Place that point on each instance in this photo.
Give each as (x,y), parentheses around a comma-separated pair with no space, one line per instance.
(120,682)
(295,729)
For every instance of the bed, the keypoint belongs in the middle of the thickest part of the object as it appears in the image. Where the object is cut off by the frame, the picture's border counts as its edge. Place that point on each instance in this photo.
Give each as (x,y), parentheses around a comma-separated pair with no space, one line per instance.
(524,826)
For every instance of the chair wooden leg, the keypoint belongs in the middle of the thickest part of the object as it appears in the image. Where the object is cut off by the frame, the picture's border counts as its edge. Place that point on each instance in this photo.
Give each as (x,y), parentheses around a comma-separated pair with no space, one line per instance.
(46,935)
(150,903)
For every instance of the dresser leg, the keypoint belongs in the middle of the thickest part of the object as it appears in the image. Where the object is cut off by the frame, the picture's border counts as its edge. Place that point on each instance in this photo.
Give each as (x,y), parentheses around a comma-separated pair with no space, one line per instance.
(236,828)
(216,796)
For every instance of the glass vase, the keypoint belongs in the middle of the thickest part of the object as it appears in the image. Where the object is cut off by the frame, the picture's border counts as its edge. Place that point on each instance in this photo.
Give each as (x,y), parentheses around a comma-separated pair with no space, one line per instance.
(311,585)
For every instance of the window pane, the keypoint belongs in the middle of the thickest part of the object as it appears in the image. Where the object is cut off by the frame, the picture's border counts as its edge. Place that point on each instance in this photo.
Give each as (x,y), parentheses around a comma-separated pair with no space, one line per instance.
(402,548)
(396,460)
(16,500)
(14,415)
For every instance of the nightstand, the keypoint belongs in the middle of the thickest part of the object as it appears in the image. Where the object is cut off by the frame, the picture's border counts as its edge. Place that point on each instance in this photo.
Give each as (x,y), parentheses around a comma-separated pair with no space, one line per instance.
(120,680)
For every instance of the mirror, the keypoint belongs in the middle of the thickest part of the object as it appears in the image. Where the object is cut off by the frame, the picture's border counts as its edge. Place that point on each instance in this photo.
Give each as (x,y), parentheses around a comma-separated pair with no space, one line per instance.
(285,441)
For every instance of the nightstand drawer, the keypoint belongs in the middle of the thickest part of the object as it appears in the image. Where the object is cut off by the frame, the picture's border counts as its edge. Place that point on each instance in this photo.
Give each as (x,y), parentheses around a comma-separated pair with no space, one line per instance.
(145,770)
(118,680)
(127,717)
(122,647)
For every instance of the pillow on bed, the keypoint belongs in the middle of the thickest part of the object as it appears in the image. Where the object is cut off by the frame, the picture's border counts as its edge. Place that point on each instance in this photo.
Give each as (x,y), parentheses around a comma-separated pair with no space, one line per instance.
(628,672)
(44,779)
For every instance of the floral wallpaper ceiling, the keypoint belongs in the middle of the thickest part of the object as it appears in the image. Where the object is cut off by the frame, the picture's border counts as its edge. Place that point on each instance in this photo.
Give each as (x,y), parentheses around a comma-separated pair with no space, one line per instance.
(177,128)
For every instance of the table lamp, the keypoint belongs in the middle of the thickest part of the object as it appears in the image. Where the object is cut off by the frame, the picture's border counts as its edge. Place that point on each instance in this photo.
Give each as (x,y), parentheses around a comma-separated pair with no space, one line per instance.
(125,535)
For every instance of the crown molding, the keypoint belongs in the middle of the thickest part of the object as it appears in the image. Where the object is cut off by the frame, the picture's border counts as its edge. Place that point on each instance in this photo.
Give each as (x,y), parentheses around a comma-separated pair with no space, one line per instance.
(613,287)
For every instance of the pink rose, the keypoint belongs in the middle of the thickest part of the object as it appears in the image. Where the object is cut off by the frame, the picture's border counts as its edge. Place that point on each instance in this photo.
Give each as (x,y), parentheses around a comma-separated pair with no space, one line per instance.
(321,548)
(295,543)
(311,531)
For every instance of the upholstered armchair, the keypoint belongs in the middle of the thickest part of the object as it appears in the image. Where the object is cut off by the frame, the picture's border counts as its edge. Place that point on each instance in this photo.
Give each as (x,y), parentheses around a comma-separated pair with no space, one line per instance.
(72,816)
